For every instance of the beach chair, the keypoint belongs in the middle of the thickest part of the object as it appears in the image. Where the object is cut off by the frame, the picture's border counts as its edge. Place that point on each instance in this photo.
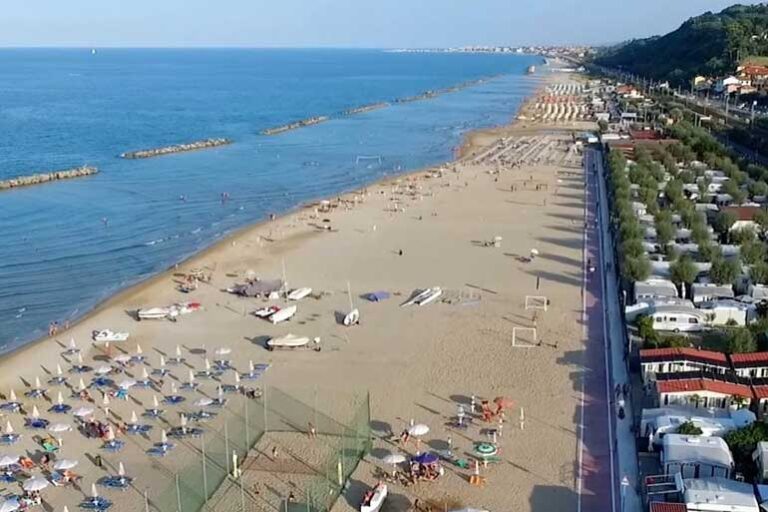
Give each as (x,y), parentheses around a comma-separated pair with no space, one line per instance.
(461,463)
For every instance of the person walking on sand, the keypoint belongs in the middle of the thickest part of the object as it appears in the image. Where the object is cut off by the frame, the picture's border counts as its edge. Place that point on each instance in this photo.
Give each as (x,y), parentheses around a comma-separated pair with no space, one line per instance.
(311,432)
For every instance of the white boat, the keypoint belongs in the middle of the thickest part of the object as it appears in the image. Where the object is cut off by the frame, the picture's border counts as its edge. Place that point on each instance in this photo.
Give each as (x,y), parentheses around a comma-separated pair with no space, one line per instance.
(376,500)
(266,312)
(429,294)
(107,335)
(299,293)
(153,313)
(284,314)
(287,341)
(352,318)
(433,296)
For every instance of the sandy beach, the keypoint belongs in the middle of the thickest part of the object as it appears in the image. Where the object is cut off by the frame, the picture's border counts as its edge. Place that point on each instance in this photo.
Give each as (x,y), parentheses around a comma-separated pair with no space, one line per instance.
(429,228)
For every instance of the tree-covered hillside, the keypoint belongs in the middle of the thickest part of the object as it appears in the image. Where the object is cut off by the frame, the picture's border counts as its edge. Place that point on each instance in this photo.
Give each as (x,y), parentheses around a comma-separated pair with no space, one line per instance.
(710,44)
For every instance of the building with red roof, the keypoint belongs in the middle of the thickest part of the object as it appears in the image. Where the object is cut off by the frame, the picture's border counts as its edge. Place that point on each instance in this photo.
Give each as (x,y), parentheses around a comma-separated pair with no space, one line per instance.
(680,359)
(753,364)
(703,392)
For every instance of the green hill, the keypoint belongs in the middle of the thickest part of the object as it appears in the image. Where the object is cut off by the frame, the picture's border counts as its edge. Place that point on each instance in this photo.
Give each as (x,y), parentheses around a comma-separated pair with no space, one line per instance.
(710,44)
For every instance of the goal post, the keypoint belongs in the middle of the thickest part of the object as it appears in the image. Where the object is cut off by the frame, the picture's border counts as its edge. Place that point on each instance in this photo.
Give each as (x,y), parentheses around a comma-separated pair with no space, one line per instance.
(524,337)
(536,302)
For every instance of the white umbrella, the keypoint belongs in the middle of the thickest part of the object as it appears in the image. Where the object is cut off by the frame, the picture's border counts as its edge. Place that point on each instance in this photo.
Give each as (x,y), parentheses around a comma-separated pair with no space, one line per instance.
(394,458)
(178,351)
(103,370)
(203,402)
(8,460)
(59,427)
(110,434)
(127,383)
(144,374)
(64,464)
(12,396)
(163,437)
(82,412)
(35,413)
(207,365)
(534,252)
(65,509)
(121,469)
(94,492)
(138,350)
(155,403)
(10,505)
(72,344)
(122,358)
(81,385)
(60,399)
(251,367)
(418,430)
(80,359)
(134,418)
(37,383)
(162,362)
(222,351)
(58,370)
(237,379)
(8,427)
(36,483)
(183,420)
(173,388)
(105,401)
(191,377)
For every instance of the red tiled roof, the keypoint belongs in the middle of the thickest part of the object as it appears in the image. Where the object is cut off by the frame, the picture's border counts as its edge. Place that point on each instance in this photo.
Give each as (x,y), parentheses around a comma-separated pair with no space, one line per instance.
(743,212)
(753,70)
(760,391)
(713,386)
(645,135)
(658,506)
(750,359)
(674,354)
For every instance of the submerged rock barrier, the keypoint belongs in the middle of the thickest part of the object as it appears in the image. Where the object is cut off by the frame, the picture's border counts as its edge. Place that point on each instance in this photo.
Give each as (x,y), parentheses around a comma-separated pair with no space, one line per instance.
(178,148)
(37,179)
(365,108)
(295,125)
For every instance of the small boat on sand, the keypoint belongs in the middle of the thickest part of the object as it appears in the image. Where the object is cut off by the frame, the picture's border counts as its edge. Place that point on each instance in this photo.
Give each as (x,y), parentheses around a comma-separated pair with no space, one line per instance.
(153,313)
(424,297)
(299,293)
(107,335)
(352,318)
(289,341)
(266,312)
(283,314)
(169,312)
(374,498)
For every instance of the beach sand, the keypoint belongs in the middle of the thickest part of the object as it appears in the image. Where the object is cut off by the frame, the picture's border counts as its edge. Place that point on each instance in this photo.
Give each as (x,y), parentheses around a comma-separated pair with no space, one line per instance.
(418,363)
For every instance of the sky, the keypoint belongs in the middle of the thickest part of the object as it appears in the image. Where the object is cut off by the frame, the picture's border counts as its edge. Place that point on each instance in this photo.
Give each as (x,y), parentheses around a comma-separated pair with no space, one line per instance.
(338,23)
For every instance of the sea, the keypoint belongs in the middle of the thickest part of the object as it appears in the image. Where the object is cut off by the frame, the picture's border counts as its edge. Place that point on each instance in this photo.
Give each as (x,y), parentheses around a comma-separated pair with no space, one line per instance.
(68,245)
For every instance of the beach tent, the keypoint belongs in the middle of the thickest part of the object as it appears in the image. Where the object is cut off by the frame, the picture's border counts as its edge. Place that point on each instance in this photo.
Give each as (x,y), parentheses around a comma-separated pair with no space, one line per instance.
(258,288)
(377,296)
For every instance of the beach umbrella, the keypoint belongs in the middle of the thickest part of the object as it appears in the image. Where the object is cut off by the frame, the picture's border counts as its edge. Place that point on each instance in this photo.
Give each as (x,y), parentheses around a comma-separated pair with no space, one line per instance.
(37,383)
(426,458)
(8,460)
(65,509)
(82,412)
(59,427)
(418,430)
(122,358)
(534,252)
(36,483)
(121,469)
(12,396)
(127,383)
(134,418)
(504,402)
(72,344)
(8,427)
(251,368)
(191,377)
(203,402)
(394,458)
(144,374)
(178,351)
(207,365)
(94,492)
(155,403)
(173,388)
(80,359)
(237,379)
(10,505)
(183,421)
(163,437)
(138,350)
(63,464)
(103,370)
(59,372)
(81,385)
(162,362)
(60,399)
(35,413)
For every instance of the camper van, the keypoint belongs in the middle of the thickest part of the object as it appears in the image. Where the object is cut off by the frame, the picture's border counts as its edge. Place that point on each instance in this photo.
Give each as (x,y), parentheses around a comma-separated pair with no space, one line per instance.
(677,319)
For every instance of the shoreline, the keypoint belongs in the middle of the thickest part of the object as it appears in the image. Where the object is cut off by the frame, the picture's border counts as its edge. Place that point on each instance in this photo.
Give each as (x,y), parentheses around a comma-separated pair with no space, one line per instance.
(462,150)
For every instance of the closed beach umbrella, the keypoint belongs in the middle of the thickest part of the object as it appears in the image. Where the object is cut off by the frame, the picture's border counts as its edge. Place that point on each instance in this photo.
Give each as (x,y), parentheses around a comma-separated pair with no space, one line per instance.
(81,385)
(138,350)
(134,418)
(144,374)
(94,492)
(121,469)
(222,351)
(8,427)
(10,505)
(178,351)
(8,460)
(162,362)
(203,402)
(37,383)
(35,413)
(60,399)
(183,421)
(207,365)
(59,427)
(418,430)
(163,437)
(36,483)
(155,403)
(191,377)
(82,412)
(64,464)
(58,370)
(72,344)
(80,359)
(12,396)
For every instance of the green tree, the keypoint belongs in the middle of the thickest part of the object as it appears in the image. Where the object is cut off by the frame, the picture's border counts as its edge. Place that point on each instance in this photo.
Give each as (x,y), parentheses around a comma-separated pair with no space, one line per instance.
(724,271)
(724,220)
(665,232)
(646,331)
(683,272)
(636,269)
(742,236)
(732,189)
(631,229)
(752,252)
(758,273)
(709,252)
(761,218)
(699,233)
(632,248)
(740,340)
(743,442)
(758,188)
(602,125)
(687,428)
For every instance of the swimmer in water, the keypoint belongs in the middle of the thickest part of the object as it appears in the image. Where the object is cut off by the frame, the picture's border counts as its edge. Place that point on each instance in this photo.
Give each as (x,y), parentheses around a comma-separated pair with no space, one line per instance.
(104,221)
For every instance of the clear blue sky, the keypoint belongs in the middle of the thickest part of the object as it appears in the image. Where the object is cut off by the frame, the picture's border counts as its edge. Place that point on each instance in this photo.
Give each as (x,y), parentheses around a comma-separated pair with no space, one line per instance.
(338,23)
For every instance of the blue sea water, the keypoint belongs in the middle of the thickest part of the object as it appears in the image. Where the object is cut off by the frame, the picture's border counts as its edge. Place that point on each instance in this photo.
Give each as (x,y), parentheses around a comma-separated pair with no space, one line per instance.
(64,108)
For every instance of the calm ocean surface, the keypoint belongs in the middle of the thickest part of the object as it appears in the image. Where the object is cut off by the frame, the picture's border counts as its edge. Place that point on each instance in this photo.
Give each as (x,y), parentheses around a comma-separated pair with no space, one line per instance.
(64,108)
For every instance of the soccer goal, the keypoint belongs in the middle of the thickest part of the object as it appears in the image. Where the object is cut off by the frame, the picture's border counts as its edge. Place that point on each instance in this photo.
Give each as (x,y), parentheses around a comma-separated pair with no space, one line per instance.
(536,302)
(524,337)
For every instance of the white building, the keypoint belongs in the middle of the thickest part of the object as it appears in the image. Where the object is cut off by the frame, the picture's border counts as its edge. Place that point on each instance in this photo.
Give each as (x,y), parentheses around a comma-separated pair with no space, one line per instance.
(718,422)
(705,393)
(727,312)
(702,292)
(655,361)
(718,495)
(696,456)
(751,364)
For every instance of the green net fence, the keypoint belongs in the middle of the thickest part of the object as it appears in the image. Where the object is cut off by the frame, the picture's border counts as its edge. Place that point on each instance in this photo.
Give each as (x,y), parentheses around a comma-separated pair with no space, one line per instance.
(282,451)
